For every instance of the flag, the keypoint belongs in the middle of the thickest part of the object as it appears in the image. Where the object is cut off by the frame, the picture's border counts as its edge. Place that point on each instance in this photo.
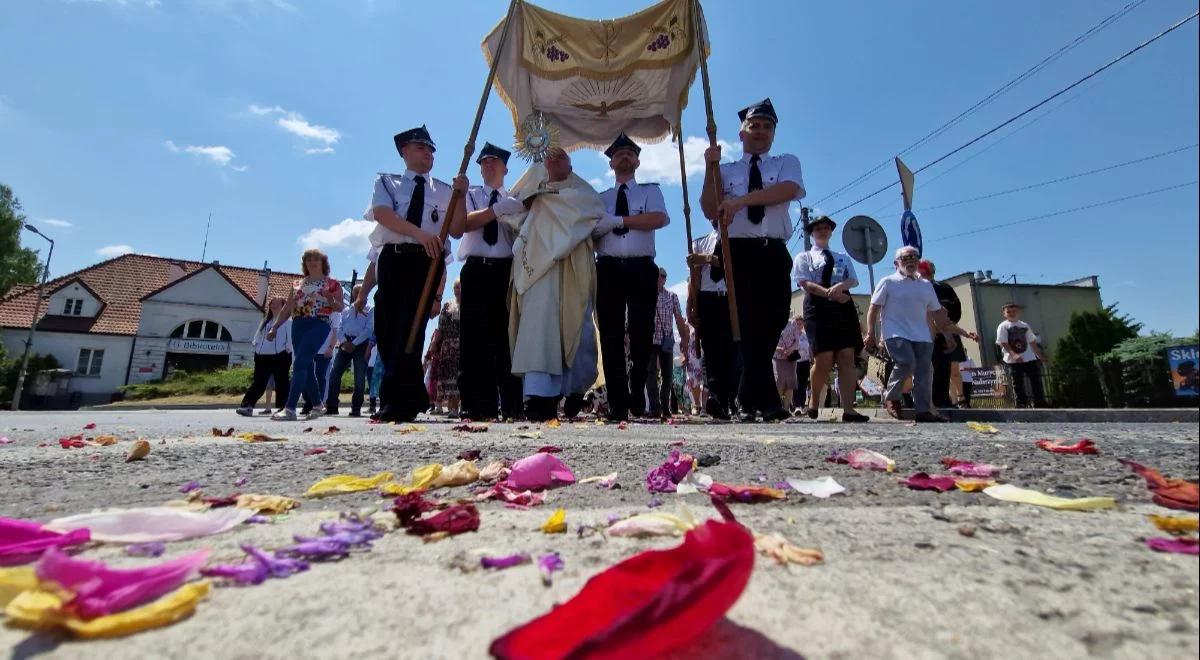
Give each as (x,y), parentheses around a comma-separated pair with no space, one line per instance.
(593,80)
(910,231)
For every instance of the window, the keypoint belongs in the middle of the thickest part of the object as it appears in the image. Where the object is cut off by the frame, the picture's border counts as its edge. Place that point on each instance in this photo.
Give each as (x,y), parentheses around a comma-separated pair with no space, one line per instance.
(90,360)
(202,329)
(73,307)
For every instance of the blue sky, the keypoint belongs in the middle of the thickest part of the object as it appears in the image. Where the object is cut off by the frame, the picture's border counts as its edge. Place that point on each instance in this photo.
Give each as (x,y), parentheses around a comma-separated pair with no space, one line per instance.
(123,123)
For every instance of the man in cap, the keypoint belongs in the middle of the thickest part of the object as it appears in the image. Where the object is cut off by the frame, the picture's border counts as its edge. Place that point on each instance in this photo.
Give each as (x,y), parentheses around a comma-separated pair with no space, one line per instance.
(626,277)
(408,210)
(551,298)
(485,372)
(753,203)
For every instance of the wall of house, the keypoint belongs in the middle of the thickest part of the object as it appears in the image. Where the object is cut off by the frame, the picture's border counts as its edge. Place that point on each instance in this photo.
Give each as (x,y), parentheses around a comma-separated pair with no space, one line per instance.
(64,346)
(1048,311)
(91,306)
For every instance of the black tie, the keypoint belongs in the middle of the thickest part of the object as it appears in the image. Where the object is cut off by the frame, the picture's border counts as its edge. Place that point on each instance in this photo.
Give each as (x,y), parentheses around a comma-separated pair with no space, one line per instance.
(491,231)
(717,273)
(755,213)
(827,269)
(622,209)
(416,203)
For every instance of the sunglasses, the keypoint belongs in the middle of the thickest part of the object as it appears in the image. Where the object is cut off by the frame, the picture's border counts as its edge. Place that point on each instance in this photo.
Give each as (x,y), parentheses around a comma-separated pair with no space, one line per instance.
(910,257)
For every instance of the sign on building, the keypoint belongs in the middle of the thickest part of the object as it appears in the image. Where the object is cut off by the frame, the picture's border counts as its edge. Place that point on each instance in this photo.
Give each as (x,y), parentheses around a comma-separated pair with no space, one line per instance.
(202,346)
(1185,369)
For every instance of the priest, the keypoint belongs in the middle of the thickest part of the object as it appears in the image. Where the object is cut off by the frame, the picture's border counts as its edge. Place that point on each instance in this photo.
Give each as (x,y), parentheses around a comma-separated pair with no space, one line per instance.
(551,331)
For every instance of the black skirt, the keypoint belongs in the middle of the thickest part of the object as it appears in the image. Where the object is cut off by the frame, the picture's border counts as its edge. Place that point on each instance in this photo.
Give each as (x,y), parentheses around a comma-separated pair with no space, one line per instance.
(831,326)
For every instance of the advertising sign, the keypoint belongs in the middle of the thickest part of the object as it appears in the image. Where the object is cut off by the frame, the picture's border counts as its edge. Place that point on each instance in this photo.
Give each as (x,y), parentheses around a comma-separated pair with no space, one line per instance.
(1185,369)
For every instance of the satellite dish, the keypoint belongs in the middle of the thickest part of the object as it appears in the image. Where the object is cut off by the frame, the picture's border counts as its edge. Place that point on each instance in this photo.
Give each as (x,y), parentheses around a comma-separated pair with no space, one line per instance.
(865,240)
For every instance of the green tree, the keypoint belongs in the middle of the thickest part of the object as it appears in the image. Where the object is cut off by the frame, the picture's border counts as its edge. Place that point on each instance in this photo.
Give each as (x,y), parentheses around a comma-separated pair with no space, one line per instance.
(17,264)
(1074,378)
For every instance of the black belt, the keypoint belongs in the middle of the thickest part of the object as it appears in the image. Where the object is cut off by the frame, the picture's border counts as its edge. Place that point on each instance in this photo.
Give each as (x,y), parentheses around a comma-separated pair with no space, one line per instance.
(626,260)
(757,242)
(489,261)
(405,248)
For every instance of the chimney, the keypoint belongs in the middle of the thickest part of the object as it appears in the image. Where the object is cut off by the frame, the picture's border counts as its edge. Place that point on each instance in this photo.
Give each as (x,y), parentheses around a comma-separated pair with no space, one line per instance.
(175,271)
(264,285)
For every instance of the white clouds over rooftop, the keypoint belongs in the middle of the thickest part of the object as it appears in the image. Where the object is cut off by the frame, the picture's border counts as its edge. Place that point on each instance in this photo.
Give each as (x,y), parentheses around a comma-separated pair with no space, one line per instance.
(296,124)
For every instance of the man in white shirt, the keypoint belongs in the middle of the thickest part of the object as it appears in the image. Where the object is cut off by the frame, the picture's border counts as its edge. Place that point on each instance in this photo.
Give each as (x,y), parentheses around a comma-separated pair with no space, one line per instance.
(907,303)
(353,334)
(626,278)
(485,373)
(753,203)
(408,210)
(1022,354)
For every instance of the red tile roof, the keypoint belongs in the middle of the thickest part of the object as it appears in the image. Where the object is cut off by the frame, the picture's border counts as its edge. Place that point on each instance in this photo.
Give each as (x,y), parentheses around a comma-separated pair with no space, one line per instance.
(121,283)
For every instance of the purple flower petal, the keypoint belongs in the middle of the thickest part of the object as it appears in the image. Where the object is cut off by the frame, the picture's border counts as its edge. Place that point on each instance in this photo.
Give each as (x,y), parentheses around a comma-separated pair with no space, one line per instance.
(145,549)
(548,564)
(241,481)
(257,520)
(654,503)
(317,550)
(190,486)
(504,562)
(256,569)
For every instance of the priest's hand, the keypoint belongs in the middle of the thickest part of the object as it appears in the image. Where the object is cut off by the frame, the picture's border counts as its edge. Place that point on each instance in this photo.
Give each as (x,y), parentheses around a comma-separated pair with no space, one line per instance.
(431,243)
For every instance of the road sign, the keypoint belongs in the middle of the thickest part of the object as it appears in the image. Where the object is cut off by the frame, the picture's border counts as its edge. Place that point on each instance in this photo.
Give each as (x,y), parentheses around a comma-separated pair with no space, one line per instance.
(866,242)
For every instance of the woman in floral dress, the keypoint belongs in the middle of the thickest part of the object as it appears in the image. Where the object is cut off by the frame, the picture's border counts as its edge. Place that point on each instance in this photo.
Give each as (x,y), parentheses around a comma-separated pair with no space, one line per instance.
(444,349)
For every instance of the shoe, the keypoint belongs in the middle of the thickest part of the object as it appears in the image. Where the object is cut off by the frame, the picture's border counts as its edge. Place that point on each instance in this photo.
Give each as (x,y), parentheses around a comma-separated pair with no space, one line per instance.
(616,417)
(331,411)
(572,406)
(355,413)
(893,409)
(814,413)
(541,408)
(716,410)
(799,412)
(777,415)
(284,415)
(265,411)
(855,417)
(305,410)
(747,418)
(245,412)
(930,417)
(315,413)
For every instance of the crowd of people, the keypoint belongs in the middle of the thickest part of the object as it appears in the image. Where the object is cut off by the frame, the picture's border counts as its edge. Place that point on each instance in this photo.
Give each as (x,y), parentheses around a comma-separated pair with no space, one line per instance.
(559,285)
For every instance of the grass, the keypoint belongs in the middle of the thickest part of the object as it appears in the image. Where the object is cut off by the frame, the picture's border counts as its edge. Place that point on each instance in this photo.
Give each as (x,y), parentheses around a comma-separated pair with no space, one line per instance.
(225,382)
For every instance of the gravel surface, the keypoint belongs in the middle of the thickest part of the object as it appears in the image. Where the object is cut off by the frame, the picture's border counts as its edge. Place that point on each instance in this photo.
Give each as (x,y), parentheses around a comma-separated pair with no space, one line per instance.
(901,579)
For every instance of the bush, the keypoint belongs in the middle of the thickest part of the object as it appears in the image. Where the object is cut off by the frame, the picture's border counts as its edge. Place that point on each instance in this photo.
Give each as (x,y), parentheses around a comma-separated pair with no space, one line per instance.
(1145,379)
(1075,379)
(10,369)
(231,381)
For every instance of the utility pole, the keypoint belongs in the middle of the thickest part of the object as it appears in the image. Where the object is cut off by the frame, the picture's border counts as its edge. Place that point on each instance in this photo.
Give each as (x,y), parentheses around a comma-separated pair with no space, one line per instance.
(37,307)
(804,210)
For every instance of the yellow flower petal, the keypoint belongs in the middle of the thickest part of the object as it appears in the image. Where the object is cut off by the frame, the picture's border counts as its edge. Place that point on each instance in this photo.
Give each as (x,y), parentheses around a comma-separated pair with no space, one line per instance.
(980,427)
(267,503)
(347,483)
(556,523)
(15,580)
(41,609)
(973,485)
(783,551)
(1010,493)
(456,474)
(1175,524)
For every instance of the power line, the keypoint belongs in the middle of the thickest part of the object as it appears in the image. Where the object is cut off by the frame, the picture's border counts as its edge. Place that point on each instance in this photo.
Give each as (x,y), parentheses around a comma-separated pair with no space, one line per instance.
(1030,109)
(1064,212)
(1025,75)
(1061,179)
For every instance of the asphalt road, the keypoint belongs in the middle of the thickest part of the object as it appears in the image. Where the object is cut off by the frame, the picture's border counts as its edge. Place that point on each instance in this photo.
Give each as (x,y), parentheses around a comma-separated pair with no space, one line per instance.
(900,578)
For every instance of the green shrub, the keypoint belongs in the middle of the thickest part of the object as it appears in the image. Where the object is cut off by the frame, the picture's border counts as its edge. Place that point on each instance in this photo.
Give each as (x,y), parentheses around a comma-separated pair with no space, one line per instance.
(231,381)
(1075,380)
(10,369)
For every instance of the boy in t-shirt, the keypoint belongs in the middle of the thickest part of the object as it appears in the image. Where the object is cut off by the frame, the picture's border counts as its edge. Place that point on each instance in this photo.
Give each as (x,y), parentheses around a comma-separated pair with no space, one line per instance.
(1022,354)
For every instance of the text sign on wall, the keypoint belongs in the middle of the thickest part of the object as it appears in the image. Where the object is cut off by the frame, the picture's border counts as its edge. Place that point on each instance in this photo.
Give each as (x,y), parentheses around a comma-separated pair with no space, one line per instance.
(1185,369)
(197,346)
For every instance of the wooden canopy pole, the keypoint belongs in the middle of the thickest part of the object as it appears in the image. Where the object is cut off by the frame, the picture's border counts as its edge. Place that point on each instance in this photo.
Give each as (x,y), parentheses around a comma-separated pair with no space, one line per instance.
(713,173)
(456,198)
(693,315)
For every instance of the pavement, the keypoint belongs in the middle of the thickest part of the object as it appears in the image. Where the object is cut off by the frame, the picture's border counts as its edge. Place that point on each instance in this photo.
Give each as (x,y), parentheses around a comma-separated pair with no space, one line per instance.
(907,574)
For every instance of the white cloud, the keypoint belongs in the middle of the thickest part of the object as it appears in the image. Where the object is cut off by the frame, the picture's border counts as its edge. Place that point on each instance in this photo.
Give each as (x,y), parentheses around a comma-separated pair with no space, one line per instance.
(218,155)
(680,289)
(660,162)
(55,222)
(597,183)
(296,124)
(349,235)
(110,251)
(152,4)
(321,150)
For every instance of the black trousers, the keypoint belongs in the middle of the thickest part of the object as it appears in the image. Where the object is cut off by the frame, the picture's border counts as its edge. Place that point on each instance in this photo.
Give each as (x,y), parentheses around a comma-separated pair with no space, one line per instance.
(764,294)
(401,272)
(266,366)
(941,373)
(660,389)
(485,380)
(716,343)
(1032,370)
(626,288)
(803,371)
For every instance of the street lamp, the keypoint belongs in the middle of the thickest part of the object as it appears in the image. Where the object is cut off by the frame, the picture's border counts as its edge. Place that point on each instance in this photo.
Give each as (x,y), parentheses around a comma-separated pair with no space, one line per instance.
(37,307)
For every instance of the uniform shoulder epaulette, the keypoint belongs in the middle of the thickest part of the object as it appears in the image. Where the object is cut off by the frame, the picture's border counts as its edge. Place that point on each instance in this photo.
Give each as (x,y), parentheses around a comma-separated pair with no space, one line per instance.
(649,183)
(440,182)
(399,176)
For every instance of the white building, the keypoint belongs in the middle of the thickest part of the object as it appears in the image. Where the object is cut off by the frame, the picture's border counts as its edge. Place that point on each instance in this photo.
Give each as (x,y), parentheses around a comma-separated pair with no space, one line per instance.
(138,318)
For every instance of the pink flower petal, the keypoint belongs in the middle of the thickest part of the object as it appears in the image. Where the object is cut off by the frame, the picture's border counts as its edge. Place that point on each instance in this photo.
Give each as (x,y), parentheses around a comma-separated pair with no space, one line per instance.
(23,541)
(1180,546)
(99,590)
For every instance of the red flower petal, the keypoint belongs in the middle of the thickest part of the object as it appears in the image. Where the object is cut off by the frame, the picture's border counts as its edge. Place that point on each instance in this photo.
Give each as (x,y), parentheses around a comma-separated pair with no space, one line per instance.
(923,481)
(1084,446)
(1171,493)
(646,605)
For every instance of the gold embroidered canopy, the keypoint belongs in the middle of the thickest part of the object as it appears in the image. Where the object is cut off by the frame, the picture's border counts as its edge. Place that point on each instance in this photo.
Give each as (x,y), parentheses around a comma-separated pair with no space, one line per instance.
(596,79)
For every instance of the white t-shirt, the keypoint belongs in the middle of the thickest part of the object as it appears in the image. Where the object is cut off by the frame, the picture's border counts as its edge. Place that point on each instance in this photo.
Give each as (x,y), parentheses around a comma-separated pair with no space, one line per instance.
(906,304)
(1019,338)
